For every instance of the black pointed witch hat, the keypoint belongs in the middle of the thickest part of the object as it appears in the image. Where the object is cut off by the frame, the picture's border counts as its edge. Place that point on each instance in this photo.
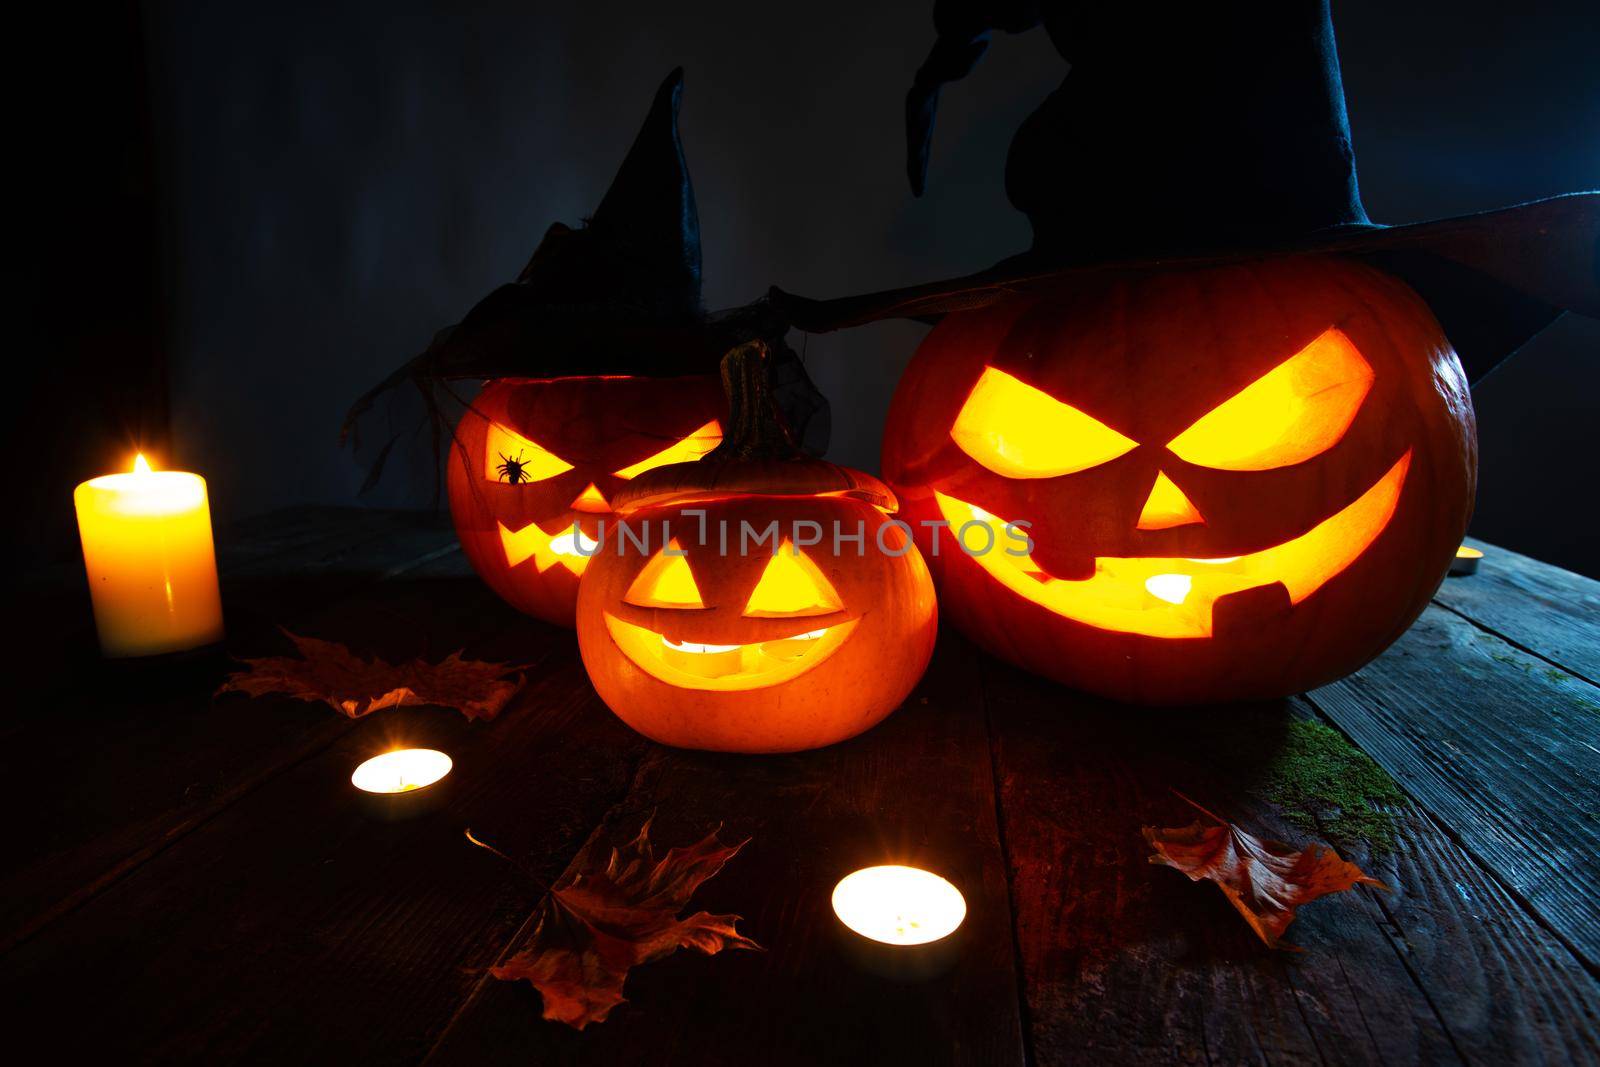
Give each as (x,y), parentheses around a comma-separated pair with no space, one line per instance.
(619,295)
(1202,133)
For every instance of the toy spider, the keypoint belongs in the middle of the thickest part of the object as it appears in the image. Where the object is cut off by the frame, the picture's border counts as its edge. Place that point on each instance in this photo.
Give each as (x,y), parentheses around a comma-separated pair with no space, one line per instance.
(513,470)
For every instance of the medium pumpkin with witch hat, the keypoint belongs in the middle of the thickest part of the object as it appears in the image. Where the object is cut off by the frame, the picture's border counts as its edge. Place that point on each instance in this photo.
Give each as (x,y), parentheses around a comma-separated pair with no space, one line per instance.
(536,463)
(536,460)
(1211,438)
(599,364)
(733,615)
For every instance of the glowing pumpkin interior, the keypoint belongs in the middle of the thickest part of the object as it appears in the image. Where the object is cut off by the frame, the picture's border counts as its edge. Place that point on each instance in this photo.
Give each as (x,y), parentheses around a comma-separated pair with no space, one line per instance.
(791,586)
(1292,413)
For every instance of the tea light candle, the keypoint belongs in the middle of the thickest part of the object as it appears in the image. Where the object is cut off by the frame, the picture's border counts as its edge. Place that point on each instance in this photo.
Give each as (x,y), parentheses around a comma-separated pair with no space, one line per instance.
(901,922)
(151,564)
(1466,561)
(402,783)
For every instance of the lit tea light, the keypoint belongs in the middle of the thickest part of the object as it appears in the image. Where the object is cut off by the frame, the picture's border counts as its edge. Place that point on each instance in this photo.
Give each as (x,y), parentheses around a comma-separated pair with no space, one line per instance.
(150,561)
(403,783)
(901,922)
(1466,561)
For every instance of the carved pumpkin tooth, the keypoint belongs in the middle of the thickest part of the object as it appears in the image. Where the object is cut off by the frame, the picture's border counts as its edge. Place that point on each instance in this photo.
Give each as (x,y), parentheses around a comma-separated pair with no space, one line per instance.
(1069,564)
(1250,613)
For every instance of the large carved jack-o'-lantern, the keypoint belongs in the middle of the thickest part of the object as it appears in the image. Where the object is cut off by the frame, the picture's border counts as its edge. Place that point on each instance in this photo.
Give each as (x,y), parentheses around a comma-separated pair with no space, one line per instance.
(536,463)
(1230,483)
(731,618)
(1244,458)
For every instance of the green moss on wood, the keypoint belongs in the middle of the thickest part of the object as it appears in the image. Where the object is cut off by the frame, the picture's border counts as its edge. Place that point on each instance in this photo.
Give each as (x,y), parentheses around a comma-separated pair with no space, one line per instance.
(1327,786)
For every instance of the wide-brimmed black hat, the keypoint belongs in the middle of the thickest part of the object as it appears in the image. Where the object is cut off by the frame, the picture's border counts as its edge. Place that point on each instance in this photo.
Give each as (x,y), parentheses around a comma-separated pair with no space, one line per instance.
(1194,134)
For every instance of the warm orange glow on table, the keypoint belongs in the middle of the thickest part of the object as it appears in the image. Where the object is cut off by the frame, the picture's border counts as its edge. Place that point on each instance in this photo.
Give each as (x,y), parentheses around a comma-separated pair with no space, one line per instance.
(149,557)
(401,771)
(901,906)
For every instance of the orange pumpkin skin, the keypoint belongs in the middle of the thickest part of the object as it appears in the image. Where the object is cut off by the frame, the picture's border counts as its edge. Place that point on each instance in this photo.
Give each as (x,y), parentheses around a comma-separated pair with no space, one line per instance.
(1149,355)
(599,426)
(886,601)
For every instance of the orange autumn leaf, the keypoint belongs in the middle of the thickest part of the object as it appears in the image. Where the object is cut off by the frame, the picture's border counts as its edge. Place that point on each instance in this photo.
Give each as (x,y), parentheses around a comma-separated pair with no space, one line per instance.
(1264,880)
(330,672)
(603,919)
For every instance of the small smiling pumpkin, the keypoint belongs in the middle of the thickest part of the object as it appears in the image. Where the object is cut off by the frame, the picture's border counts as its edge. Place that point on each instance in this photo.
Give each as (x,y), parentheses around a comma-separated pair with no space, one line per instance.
(536,463)
(1237,483)
(730,618)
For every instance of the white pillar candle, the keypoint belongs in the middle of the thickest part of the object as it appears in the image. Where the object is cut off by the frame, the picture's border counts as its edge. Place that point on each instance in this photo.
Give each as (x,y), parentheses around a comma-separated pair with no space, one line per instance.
(152,568)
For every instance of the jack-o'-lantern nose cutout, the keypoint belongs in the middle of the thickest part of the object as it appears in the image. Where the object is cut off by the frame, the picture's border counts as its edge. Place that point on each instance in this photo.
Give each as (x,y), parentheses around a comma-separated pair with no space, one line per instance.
(591,500)
(1166,507)
(666,582)
(792,586)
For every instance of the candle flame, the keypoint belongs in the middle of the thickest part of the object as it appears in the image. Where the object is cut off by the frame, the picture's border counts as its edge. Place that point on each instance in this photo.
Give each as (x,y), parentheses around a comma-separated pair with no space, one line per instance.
(140,464)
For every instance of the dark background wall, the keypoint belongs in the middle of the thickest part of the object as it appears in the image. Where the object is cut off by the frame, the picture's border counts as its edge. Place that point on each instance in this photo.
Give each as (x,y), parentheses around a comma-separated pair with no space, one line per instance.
(335,182)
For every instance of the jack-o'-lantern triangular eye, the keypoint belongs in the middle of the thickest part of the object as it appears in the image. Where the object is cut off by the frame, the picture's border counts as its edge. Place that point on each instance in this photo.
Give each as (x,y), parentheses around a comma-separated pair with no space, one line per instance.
(512,458)
(1018,431)
(665,582)
(1298,409)
(685,450)
(792,586)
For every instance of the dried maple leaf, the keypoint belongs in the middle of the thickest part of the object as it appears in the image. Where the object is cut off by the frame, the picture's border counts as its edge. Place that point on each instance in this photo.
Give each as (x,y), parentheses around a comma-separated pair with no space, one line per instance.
(330,672)
(600,921)
(1265,881)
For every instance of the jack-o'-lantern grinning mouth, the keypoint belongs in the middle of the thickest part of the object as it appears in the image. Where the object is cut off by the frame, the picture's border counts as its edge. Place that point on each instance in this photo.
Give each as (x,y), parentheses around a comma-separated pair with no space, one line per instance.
(1173,597)
(724,668)
(570,547)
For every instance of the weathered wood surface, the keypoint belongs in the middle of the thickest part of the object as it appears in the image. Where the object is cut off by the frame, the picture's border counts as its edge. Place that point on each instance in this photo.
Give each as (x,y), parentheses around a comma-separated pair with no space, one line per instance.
(145,770)
(916,788)
(1552,613)
(194,884)
(1499,746)
(1126,962)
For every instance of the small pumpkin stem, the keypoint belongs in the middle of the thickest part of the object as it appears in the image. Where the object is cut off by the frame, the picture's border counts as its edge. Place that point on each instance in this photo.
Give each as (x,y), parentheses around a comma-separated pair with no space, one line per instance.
(756,426)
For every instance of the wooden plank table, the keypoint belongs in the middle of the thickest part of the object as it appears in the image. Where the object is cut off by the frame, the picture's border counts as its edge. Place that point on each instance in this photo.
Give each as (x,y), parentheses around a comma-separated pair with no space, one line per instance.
(187,879)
